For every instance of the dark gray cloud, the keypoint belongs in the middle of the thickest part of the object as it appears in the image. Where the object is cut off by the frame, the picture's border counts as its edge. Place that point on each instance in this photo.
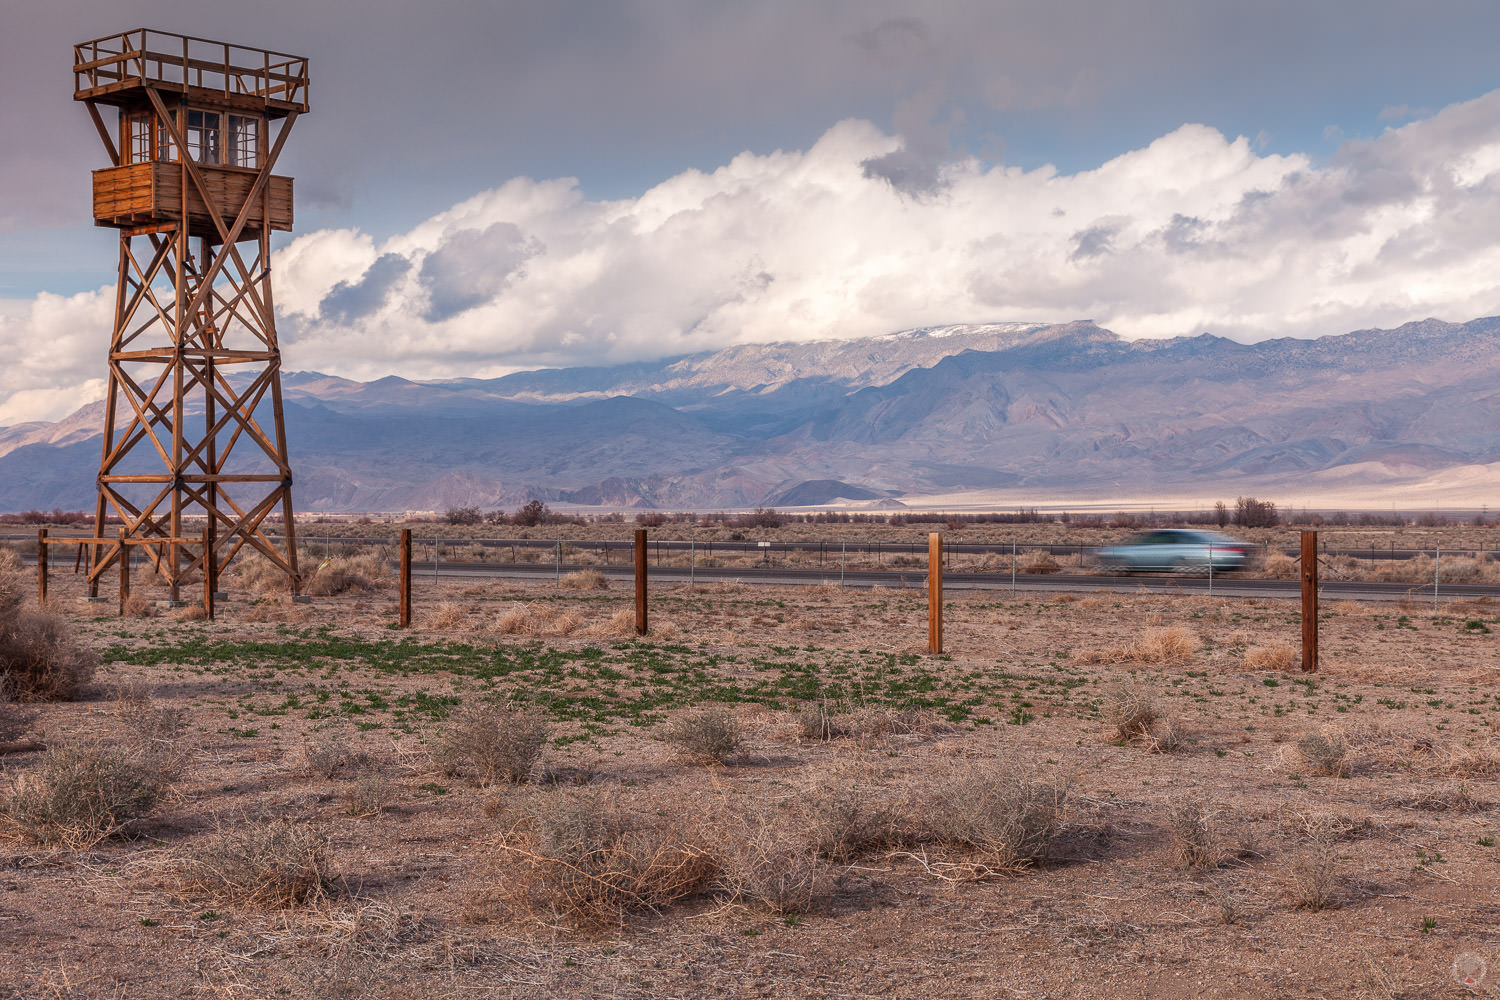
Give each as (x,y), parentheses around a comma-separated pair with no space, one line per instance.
(1095,241)
(471,266)
(349,301)
(416,106)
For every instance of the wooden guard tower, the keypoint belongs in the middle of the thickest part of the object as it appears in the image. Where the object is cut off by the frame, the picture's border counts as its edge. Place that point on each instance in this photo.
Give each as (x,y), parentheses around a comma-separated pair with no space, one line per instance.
(193,419)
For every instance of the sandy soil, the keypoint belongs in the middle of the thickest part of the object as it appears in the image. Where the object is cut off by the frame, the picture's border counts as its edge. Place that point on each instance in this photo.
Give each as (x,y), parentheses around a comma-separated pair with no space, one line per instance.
(409,909)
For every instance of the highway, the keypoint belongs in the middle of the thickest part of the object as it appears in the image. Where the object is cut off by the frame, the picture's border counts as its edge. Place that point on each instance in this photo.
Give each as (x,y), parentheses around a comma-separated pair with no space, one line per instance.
(1222,585)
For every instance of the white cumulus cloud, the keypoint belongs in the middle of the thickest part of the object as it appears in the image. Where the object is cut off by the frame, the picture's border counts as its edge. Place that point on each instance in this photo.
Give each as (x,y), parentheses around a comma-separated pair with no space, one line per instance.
(1195,232)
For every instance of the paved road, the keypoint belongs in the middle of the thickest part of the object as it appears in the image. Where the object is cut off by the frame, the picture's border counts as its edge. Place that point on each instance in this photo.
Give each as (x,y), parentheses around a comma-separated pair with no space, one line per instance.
(1220,586)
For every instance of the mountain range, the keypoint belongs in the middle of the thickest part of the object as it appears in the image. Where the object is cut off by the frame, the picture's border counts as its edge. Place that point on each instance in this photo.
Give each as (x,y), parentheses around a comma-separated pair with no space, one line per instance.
(959,416)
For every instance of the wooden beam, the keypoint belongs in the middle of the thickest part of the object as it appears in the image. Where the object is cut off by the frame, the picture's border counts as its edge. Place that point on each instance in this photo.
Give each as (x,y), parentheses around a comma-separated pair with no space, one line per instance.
(935,592)
(1310,601)
(209,566)
(406,578)
(41,566)
(124,573)
(640,581)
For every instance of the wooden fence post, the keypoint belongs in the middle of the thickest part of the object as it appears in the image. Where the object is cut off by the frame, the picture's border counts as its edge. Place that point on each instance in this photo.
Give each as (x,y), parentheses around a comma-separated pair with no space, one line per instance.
(640,581)
(124,572)
(935,592)
(41,566)
(1310,601)
(208,565)
(406,578)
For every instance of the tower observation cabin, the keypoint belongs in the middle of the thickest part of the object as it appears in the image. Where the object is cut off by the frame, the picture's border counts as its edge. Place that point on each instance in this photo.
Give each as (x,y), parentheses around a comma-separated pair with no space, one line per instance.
(193,418)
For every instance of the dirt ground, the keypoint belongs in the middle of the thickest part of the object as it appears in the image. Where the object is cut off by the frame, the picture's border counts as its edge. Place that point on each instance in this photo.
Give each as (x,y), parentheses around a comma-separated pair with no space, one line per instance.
(1400,836)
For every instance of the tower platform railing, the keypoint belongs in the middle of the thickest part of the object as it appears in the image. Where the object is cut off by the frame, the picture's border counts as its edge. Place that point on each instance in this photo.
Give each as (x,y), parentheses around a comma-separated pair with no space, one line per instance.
(146,57)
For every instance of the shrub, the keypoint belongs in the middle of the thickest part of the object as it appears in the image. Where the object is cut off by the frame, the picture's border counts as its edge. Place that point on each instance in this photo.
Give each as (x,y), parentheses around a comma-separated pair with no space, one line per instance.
(356,574)
(845,820)
(1040,562)
(816,722)
(1279,656)
(1167,646)
(1252,513)
(1130,709)
(329,753)
(278,863)
(1323,753)
(584,579)
(531,515)
(1313,872)
(81,793)
(446,615)
(492,743)
(370,797)
(584,857)
(153,728)
(1280,566)
(1004,811)
(464,515)
(136,606)
(707,736)
(1166,735)
(764,863)
(37,652)
(1192,840)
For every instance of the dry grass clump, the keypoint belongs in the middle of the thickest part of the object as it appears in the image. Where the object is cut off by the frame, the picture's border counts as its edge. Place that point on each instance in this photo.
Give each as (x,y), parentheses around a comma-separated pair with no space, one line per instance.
(1312,873)
(274,608)
(447,615)
(1472,761)
(355,574)
(278,863)
(1130,708)
(81,793)
(13,718)
(1167,646)
(136,606)
(1167,735)
(585,857)
(1277,656)
(706,736)
(329,754)
(845,815)
(38,655)
(1280,566)
(766,861)
(370,797)
(819,720)
(619,624)
(537,618)
(152,728)
(251,571)
(1004,811)
(1192,839)
(1322,753)
(584,579)
(1039,562)
(195,612)
(822,720)
(492,744)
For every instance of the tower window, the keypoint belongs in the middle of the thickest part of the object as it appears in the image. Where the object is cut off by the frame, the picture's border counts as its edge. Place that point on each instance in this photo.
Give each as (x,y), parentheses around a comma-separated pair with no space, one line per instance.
(243,146)
(203,135)
(138,139)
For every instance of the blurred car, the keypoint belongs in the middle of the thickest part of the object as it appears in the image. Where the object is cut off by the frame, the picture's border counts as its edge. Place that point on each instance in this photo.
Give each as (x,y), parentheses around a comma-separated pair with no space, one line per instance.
(1175,550)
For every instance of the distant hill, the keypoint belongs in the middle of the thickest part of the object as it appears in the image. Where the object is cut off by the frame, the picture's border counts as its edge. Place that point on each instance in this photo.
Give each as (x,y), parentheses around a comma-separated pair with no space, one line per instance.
(1032,410)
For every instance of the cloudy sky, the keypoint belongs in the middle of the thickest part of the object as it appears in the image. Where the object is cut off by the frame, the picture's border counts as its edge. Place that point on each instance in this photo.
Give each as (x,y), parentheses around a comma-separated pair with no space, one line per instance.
(484,186)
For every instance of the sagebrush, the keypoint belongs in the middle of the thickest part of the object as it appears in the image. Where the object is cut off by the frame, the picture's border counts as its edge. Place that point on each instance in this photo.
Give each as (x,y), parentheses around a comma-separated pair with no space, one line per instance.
(38,654)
